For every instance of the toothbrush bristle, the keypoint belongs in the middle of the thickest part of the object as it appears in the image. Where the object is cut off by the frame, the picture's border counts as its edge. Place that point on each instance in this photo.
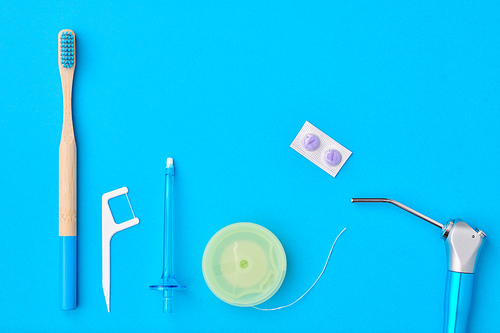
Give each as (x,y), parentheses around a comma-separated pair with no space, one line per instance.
(67,43)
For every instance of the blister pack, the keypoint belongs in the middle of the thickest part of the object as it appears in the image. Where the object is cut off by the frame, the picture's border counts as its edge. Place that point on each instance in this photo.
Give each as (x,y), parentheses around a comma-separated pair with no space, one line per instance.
(320,149)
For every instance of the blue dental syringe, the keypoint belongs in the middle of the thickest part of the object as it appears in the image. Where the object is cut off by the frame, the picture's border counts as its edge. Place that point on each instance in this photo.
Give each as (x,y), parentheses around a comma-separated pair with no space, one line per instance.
(462,243)
(169,283)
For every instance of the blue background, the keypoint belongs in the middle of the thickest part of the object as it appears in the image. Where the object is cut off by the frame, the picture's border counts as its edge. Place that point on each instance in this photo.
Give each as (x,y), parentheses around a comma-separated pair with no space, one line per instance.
(412,89)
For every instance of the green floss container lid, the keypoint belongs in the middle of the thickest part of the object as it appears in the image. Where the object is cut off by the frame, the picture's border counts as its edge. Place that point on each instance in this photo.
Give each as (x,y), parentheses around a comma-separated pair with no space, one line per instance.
(244,264)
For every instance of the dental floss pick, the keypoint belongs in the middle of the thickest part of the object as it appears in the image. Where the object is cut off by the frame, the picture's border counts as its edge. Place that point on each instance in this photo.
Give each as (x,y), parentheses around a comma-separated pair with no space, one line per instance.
(109,228)
(308,290)
(320,149)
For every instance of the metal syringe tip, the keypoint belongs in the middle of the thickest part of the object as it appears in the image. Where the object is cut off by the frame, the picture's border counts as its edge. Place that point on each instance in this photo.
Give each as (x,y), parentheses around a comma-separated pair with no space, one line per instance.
(400,205)
(369,200)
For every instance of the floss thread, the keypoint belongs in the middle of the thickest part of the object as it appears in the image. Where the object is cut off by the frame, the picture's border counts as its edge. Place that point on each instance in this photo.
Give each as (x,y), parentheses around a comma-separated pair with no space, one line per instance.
(310,288)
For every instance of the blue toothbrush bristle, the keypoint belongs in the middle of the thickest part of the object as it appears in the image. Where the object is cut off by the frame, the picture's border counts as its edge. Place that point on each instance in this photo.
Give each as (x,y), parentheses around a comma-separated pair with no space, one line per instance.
(67,49)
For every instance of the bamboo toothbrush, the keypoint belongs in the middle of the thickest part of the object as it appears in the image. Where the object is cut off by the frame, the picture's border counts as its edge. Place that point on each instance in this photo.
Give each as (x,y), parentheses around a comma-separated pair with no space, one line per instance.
(67,177)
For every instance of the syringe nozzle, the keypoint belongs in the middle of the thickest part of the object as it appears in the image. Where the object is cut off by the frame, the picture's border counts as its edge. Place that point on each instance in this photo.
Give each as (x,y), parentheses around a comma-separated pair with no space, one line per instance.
(168,305)
(400,205)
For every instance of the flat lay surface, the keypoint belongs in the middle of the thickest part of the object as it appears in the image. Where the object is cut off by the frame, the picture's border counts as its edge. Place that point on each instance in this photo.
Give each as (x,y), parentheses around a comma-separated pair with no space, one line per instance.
(411,89)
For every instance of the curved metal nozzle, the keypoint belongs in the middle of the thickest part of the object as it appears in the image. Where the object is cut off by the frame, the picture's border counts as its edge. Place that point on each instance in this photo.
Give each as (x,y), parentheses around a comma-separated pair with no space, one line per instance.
(400,205)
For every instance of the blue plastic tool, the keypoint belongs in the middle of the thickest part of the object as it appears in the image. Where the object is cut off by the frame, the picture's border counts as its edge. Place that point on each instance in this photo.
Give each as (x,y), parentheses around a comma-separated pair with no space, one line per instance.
(457,301)
(67,280)
(169,283)
(462,244)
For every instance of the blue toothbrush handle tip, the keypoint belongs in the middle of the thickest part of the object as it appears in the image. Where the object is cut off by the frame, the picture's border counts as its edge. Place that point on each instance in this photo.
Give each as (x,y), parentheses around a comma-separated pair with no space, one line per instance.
(68,272)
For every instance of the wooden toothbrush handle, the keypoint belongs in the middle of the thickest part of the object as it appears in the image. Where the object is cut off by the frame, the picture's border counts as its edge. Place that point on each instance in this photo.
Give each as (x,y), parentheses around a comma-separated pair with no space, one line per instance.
(67,183)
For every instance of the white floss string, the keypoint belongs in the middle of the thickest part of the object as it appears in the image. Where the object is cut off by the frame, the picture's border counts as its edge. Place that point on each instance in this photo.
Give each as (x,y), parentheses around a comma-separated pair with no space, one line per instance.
(308,290)
(130,205)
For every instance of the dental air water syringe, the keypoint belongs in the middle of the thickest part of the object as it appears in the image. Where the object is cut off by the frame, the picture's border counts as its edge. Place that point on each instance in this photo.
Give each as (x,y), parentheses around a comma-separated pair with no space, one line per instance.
(462,244)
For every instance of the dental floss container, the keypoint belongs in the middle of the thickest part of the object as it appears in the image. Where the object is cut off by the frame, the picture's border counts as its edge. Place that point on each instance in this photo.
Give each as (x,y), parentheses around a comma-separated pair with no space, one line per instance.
(244,264)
